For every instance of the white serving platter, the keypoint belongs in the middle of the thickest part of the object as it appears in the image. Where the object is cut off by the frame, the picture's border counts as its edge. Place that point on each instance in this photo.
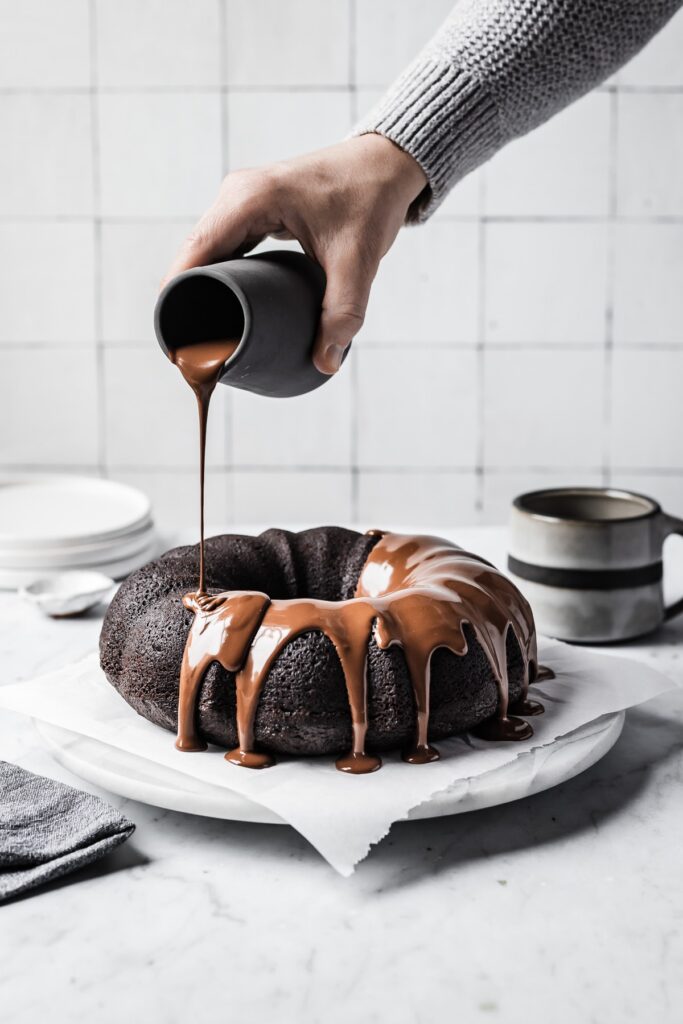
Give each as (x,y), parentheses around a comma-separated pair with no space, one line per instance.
(137,778)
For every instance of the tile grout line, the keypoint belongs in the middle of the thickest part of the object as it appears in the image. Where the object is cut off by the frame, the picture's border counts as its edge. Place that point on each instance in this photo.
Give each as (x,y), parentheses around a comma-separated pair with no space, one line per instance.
(354,482)
(275,87)
(173,90)
(354,497)
(352,66)
(481,351)
(97,242)
(610,242)
(229,421)
(665,472)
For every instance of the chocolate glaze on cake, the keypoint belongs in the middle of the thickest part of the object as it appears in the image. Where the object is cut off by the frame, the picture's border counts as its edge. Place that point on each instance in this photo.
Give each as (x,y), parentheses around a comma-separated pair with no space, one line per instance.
(415,592)
(303,706)
(425,639)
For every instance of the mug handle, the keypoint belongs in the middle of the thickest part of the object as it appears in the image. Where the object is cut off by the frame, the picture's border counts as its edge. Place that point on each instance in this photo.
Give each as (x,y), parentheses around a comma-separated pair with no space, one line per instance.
(673,525)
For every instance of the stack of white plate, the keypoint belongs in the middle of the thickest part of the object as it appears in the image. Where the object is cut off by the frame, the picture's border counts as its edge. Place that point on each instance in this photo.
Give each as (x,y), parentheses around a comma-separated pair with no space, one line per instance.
(54,523)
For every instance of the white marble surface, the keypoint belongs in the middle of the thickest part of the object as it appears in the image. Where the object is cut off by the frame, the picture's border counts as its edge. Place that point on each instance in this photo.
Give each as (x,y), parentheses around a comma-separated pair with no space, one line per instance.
(567,906)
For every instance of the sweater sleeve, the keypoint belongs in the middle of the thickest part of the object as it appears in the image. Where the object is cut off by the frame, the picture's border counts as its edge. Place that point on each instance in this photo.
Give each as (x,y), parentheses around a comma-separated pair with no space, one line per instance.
(498,68)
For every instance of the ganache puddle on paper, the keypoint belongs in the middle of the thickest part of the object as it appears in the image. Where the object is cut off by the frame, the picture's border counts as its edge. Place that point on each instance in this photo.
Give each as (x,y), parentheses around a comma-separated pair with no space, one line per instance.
(417,592)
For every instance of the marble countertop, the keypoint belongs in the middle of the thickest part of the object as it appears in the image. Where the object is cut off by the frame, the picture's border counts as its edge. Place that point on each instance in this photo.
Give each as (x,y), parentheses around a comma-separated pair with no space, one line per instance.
(567,906)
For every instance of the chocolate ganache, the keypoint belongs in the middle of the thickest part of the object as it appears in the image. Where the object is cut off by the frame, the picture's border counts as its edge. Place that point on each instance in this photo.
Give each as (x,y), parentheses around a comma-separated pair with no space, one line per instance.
(415,592)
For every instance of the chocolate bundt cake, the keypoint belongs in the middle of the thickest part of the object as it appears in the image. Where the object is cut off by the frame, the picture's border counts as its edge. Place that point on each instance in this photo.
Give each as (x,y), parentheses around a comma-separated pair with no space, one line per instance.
(322,642)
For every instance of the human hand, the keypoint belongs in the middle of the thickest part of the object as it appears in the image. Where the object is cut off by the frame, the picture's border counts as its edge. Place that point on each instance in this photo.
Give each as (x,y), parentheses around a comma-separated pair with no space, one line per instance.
(344,205)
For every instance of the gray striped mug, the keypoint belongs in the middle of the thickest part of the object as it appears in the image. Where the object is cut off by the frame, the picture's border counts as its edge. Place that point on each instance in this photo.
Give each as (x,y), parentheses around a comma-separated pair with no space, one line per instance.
(589,559)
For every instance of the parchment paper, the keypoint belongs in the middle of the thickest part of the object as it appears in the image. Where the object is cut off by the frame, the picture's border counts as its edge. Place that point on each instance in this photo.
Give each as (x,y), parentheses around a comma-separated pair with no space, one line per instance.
(342,815)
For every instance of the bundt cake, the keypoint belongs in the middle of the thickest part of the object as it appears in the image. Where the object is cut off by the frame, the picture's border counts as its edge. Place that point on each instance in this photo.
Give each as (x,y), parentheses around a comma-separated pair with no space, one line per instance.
(326,641)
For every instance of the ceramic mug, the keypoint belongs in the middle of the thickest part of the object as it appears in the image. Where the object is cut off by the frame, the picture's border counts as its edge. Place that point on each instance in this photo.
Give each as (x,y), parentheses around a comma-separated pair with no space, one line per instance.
(589,559)
(270,301)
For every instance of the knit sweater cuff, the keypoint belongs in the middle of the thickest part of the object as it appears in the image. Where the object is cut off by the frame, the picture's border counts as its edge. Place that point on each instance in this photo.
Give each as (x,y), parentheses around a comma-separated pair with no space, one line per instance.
(443,118)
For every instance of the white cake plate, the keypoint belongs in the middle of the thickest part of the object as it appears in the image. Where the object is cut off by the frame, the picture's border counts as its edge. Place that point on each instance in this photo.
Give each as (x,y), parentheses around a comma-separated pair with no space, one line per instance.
(139,779)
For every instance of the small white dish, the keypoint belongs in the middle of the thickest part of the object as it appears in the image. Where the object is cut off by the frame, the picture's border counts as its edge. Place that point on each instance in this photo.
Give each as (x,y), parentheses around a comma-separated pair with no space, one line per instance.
(67,593)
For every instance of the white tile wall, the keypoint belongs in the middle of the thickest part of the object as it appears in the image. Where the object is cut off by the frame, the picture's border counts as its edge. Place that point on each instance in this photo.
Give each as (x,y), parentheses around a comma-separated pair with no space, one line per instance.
(417,408)
(47,282)
(293,44)
(48,407)
(135,257)
(650,154)
(444,497)
(559,170)
(543,408)
(390,33)
(530,335)
(175,496)
(646,414)
(312,430)
(545,282)
(648,284)
(44,44)
(46,161)
(156,43)
(263,126)
(269,496)
(159,155)
(151,416)
(426,289)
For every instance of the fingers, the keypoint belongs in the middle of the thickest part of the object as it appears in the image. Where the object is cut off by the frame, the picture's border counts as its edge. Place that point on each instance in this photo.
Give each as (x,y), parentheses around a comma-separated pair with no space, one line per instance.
(245,211)
(349,278)
(217,236)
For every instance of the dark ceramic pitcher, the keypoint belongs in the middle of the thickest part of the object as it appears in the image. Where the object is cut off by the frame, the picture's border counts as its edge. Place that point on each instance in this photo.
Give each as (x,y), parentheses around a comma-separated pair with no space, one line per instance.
(271,302)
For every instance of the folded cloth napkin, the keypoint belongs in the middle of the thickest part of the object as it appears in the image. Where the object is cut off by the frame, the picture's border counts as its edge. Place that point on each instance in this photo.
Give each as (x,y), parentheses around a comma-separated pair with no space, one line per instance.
(48,829)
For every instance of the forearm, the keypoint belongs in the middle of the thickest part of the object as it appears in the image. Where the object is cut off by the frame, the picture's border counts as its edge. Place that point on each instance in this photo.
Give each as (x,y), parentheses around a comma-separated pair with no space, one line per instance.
(498,68)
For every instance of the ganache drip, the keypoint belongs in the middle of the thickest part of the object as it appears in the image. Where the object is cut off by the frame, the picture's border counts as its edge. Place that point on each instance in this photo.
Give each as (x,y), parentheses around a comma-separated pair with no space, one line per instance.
(416,592)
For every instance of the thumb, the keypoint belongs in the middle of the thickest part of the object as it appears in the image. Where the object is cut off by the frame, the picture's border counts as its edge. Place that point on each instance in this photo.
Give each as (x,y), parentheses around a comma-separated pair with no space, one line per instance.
(349,278)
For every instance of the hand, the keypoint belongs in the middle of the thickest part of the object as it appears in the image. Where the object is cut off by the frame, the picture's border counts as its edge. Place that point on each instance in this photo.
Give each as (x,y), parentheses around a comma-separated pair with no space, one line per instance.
(344,205)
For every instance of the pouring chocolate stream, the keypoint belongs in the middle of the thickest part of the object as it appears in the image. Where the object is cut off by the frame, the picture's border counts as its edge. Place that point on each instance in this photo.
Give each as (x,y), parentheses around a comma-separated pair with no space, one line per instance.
(201,365)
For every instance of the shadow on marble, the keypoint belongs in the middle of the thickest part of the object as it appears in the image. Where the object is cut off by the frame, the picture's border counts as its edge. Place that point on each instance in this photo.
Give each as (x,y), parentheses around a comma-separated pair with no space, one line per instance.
(417,850)
(122,858)
(173,829)
(669,638)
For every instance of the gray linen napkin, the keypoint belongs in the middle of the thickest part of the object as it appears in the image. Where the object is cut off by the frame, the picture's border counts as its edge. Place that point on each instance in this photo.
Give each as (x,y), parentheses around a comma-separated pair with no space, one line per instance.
(48,829)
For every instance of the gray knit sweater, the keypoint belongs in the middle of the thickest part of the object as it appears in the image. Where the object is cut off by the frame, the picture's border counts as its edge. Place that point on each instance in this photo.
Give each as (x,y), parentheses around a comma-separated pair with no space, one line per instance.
(498,68)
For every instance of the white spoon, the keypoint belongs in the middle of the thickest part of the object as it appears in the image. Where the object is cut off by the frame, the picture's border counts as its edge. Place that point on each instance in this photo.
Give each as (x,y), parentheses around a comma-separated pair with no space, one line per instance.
(67,593)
